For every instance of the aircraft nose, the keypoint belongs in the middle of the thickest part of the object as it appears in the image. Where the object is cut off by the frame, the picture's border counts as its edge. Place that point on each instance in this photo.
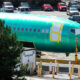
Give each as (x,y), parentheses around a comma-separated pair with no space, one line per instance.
(77,38)
(77,34)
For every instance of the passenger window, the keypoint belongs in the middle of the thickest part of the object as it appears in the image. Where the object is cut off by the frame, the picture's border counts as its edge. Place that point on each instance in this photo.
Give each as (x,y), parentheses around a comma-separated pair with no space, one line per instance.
(30,30)
(42,30)
(47,30)
(38,30)
(73,31)
(18,29)
(14,28)
(26,29)
(34,30)
(10,28)
(22,29)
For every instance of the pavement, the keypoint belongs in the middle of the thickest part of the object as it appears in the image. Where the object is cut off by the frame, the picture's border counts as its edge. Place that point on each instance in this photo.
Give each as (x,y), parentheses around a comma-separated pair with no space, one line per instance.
(51,13)
(50,77)
(63,69)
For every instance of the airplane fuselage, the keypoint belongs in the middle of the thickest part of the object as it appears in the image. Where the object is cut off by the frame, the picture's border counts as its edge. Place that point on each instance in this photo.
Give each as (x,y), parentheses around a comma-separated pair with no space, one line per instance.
(47,33)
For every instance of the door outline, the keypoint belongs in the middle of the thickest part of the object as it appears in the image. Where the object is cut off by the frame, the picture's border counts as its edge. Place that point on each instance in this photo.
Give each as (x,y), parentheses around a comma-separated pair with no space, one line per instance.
(59,33)
(77,30)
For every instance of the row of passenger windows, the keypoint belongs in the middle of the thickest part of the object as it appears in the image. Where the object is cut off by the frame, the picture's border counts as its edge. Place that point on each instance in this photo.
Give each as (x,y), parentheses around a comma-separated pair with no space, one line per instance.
(31,30)
(36,30)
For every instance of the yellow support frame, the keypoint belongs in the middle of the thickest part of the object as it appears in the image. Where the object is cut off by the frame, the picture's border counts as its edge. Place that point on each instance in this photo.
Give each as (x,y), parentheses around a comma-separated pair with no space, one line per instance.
(58,33)
(58,61)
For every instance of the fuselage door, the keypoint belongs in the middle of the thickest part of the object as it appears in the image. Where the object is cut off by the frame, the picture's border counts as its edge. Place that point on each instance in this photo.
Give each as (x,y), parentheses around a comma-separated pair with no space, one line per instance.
(56,31)
(77,31)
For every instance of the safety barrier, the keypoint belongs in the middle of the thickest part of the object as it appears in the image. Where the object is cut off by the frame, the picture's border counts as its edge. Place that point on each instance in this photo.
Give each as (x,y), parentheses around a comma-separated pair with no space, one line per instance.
(54,66)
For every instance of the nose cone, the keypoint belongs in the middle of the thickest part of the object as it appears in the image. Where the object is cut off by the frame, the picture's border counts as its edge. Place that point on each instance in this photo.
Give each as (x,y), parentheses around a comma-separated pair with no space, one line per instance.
(77,36)
(74,33)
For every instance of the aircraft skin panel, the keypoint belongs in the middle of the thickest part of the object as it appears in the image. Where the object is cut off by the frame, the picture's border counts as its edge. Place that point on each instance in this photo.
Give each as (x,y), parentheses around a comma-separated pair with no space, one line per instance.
(41,31)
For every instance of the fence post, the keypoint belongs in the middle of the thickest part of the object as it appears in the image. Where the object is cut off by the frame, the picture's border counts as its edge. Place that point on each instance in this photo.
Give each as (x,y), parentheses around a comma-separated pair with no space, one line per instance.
(38,72)
(30,69)
(72,69)
(50,68)
(40,64)
(69,67)
(53,72)
(70,73)
(79,72)
(57,67)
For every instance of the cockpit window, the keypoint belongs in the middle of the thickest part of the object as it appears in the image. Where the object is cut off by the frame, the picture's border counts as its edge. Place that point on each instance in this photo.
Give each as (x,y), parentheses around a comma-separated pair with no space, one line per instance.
(73,31)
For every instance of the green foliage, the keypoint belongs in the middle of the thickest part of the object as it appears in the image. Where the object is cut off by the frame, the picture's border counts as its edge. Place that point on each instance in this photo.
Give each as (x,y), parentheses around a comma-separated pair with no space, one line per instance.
(23,70)
(20,79)
(10,49)
(23,79)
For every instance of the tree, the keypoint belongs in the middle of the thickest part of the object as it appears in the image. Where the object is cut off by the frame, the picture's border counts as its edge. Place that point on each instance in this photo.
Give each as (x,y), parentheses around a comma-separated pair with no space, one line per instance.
(10,49)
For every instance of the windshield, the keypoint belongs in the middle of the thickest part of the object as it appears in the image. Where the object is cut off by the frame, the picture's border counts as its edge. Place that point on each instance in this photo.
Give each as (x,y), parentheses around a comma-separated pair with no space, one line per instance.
(62,5)
(73,9)
(76,17)
(74,3)
(24,9)
(24,4)
(7,3)
(47,5)
(73,31)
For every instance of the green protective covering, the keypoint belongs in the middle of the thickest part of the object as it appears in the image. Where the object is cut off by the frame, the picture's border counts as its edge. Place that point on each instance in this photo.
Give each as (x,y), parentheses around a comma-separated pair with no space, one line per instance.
(41,30)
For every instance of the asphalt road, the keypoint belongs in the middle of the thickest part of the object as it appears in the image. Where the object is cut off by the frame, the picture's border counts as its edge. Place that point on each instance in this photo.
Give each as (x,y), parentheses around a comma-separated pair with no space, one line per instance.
(61,14)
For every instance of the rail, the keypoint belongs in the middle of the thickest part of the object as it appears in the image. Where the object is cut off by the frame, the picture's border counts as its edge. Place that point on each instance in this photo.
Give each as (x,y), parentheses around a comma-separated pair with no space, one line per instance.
(58,61)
